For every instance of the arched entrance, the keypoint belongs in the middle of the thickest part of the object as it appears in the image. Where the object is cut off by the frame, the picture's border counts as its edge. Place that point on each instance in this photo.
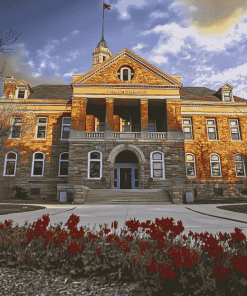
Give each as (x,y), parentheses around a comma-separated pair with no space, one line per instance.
(126,170)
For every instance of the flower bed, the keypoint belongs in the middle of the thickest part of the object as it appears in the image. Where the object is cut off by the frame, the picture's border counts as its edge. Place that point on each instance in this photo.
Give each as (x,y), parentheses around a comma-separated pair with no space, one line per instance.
(156,255)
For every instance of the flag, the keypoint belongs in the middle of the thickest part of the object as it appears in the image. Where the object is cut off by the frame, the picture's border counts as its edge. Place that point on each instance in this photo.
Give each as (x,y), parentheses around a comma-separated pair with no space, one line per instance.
(106,6)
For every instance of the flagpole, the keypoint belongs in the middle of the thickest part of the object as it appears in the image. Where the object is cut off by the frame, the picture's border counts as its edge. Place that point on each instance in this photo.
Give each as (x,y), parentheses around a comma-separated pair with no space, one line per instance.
(103,23)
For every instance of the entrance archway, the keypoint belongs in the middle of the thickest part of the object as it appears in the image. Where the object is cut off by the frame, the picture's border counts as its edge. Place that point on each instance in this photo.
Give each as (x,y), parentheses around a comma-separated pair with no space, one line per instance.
(126,170)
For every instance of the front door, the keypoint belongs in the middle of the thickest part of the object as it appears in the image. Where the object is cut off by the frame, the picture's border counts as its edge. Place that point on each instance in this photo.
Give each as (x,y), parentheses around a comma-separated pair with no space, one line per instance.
(125,178)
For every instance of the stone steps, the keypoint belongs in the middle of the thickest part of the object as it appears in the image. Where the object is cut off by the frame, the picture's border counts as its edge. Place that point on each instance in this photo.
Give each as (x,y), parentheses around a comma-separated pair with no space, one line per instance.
(124,196)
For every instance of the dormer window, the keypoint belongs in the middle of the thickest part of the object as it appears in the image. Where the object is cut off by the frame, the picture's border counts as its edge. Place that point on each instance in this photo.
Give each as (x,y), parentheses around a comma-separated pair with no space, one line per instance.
(21,93)
(104,58)
(126,73)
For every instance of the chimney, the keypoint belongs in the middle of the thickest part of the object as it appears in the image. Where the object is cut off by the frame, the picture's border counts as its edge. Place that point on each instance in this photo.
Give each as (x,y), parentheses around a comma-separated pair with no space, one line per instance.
(9,88)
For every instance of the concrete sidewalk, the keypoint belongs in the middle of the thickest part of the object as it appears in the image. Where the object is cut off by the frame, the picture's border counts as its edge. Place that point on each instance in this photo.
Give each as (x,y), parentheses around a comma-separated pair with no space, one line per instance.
(197,218)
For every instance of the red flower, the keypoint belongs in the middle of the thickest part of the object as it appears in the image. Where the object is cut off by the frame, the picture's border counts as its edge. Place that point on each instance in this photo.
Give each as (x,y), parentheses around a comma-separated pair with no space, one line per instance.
(106,231)
(7,223)
(83,246)
(221,272)
(73,221)
(98,252)
(114,224)
(129,238)
(240,263)
(144,246)
(73,248)
(133,225)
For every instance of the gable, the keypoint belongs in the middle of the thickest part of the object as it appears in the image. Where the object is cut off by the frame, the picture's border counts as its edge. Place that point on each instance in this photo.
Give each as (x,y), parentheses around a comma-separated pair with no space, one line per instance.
(145,73)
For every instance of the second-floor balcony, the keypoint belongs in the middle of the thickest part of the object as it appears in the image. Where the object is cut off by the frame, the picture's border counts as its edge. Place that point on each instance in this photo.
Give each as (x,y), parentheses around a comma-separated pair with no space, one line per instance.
(127,135)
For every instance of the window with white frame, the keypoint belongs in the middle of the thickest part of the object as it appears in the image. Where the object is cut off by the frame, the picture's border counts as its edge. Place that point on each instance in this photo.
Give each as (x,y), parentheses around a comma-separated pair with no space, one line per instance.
(10,164)
(21,93)
(157,165)
(215,165)
(234,129)
(152,125)
(41,127)
(99,125)
(16,128)
(187,128)
(212,129)
(63,164)
(190,165)
(38,164)
(65,130)
(125,123)
(227,96)
(126,73)
(239,165)
(94,165)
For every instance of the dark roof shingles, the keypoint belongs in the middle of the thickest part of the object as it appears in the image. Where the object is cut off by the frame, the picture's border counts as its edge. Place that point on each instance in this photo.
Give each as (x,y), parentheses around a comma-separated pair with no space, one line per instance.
(202,94)
(51,92)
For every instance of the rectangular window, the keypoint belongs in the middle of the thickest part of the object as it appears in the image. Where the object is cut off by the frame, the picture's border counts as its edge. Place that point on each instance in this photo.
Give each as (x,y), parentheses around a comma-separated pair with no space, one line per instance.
(151,126)
(234,129)
(212,129)
(187,128)
(227,96)
(41,128)
(64,168)
(16,128)
(38,168)
(21,93)
(66,124)
(99,125)
(125,124)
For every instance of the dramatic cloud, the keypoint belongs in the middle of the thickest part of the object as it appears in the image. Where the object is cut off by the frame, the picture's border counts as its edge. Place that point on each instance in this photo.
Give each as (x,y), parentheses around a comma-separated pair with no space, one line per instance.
(18,65)
(215,17)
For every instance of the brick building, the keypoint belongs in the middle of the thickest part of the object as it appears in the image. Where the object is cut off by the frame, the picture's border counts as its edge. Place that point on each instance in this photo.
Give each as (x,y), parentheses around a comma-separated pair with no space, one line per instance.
(125,124)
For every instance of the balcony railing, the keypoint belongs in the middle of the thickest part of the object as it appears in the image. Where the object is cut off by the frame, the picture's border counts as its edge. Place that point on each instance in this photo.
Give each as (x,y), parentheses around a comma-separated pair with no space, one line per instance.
(95,134)
(162,135)
(127,135)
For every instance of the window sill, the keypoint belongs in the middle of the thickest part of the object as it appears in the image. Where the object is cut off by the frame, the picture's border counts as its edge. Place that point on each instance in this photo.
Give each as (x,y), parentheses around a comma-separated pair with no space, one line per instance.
(39,139)
(8,175)
(37,176)
(93,178)
(63,176)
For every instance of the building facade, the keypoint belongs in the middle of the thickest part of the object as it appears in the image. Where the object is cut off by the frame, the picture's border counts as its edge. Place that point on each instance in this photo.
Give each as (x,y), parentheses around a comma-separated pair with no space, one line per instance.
(125,124)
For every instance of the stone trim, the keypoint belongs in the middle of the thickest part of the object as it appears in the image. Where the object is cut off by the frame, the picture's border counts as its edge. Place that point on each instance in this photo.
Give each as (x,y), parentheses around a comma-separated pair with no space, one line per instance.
(130,147)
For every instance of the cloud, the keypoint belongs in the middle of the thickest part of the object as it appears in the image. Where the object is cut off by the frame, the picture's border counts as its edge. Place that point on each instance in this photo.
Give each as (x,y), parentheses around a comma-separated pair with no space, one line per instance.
(75,32)
(174,39)
(139,46)
(211,17)
(18,65)
(73,56)
(64,39)
(69,74)
(158,59)
(158,14)
(123,5)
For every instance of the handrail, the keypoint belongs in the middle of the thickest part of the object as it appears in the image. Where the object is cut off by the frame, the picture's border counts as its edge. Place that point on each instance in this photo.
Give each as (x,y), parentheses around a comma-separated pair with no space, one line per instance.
(158,135)
(127,134)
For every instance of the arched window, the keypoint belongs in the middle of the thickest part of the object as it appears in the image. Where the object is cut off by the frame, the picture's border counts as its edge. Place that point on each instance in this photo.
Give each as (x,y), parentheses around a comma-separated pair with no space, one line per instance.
(63,164)
(215,165)
(239,165)
(190,165)
(10,164)
(126,73)
(95,165)
(157,165)
(38,164)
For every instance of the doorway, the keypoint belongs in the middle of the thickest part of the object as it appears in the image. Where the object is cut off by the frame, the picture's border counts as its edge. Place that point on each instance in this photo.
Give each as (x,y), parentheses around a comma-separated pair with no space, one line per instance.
(125,178)
(126,171)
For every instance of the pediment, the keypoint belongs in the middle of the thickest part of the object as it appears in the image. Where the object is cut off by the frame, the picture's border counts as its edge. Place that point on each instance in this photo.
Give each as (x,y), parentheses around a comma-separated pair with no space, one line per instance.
(145,73)
(227,86)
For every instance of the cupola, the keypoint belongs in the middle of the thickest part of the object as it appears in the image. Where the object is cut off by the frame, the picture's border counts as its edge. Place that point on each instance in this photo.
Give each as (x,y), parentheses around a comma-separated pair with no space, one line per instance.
(101,53)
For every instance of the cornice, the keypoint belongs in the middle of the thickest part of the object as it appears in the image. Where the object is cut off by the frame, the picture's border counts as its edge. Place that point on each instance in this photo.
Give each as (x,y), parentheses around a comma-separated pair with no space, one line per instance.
(125,86)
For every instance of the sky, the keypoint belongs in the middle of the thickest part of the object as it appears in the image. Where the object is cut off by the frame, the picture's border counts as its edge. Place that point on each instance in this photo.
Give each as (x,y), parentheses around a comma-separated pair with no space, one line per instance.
(204,41)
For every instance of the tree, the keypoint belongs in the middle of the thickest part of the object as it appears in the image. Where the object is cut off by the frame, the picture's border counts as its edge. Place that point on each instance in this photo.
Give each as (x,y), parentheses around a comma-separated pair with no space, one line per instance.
(6,40)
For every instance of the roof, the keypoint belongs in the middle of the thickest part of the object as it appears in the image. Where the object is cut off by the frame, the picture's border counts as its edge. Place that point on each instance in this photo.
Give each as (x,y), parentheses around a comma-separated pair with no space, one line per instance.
(51,92)
(103,43)
(202,94)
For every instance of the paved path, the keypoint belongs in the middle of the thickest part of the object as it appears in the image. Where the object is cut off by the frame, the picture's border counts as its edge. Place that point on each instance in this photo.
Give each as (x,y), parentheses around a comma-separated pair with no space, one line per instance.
(197,218)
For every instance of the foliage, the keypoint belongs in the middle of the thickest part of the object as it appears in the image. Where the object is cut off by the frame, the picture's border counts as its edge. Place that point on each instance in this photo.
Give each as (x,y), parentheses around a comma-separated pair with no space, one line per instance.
(156,255)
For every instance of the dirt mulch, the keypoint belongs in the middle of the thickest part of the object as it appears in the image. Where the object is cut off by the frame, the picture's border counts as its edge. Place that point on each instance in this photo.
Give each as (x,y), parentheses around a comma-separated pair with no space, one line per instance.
(235,208)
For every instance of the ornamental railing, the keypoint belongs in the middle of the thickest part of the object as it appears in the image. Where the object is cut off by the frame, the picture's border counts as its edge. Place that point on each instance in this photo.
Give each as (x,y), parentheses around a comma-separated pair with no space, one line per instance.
(160,135)
(95,134)
(127,135)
